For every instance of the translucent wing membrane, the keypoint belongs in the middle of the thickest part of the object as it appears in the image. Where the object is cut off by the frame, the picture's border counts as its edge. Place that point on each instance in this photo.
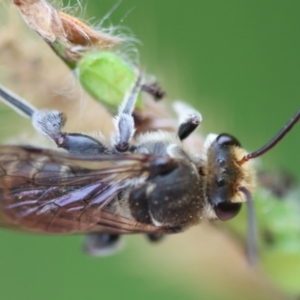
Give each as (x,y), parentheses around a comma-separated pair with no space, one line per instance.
(54,192)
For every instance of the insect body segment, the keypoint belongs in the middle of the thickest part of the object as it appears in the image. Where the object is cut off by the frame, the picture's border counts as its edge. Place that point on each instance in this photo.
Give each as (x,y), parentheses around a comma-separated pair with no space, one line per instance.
(154,188)
(150,186)
(225,175)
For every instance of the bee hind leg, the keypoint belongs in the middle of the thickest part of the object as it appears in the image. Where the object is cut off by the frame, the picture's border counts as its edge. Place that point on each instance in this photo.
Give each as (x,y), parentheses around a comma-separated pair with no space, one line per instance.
(50,122)
(102,244)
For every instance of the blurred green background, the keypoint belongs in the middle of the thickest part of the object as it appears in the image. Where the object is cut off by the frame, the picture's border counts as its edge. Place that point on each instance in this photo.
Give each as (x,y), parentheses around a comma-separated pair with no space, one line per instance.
(238,63)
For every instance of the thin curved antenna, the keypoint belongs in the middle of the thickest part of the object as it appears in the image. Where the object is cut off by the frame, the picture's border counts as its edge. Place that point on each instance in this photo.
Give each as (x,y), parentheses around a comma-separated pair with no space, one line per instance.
(279,136)
(252,253)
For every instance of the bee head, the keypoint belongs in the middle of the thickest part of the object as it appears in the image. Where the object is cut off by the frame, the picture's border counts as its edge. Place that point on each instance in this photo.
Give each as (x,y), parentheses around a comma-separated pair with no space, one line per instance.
(226,175)
(230,178)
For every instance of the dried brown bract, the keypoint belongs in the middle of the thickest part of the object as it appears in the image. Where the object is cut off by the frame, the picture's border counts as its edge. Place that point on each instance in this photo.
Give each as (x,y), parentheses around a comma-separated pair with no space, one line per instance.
(80,33)
(53,25)
(42,18)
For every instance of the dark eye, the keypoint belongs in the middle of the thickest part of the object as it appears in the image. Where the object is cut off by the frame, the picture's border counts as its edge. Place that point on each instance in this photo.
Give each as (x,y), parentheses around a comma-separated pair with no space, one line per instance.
(226,211)
(225,139)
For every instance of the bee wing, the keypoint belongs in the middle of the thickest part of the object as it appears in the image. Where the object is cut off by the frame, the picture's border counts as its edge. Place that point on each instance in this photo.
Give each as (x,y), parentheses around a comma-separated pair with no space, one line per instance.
(49,191)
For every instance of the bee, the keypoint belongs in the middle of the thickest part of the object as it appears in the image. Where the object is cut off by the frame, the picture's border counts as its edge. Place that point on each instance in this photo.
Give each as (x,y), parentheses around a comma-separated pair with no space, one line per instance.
(104,190)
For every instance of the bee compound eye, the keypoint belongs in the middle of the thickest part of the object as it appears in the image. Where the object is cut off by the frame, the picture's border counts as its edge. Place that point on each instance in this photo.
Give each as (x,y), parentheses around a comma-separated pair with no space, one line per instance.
(226,211)
(225,139)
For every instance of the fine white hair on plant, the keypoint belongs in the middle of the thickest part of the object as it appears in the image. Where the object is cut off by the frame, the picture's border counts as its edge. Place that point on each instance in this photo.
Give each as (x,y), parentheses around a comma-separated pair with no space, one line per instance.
(109,36)
(109,13)
(127,49)
(77,8)
(70,88)
(130,54)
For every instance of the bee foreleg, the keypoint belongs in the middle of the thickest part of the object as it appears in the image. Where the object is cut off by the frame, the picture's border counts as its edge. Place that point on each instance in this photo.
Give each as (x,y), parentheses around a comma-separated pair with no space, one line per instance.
(49,123)
(124,121)
(189,119)
(102,244)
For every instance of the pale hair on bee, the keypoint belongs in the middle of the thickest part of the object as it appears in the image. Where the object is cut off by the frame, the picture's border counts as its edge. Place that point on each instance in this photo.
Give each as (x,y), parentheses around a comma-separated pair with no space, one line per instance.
(130,184)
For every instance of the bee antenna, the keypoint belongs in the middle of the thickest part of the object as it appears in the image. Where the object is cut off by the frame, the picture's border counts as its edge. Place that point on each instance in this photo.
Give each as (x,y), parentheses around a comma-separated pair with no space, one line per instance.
(279,136)
(252,255)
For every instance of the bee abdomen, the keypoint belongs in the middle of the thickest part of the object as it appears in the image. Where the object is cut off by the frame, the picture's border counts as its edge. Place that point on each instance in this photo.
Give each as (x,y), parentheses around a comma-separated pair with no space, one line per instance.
(170,201)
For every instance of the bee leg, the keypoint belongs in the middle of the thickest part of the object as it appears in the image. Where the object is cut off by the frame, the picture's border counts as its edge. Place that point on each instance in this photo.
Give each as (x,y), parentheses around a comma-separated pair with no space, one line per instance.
(102,244)
(189,119)
(154,90)
(49,123)
(124,121)
(18,104)
(156,237)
